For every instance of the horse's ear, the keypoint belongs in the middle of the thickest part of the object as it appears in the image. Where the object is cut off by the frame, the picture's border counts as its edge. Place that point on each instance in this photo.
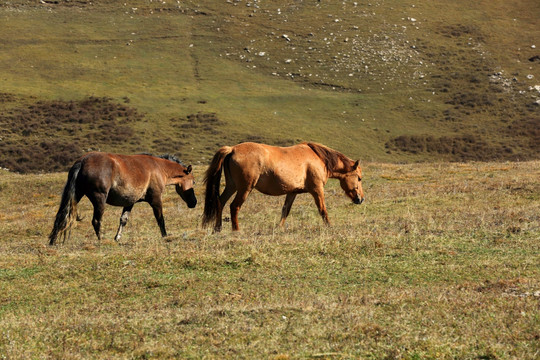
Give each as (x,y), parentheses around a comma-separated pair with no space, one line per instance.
(355,166)
(188,169)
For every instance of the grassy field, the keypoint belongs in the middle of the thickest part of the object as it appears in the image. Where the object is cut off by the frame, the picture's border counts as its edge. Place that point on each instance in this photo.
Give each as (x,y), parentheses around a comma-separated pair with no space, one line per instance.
(440,262)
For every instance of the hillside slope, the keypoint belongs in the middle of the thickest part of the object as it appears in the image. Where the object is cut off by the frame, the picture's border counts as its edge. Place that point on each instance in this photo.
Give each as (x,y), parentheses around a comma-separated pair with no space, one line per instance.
(390,81)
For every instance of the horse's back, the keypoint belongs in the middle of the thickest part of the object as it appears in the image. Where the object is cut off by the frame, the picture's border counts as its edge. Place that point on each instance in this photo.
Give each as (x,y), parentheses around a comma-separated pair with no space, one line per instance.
(111,164)
(261,157)
(124,178)
(275,170)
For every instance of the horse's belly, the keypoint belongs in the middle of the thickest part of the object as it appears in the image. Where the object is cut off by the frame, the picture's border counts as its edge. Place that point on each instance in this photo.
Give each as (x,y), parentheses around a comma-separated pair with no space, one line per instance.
(122,199)
(276,185)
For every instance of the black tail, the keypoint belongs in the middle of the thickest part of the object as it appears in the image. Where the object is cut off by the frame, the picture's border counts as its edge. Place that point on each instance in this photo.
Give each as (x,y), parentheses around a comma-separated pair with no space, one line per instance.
(67,212)
(212,179)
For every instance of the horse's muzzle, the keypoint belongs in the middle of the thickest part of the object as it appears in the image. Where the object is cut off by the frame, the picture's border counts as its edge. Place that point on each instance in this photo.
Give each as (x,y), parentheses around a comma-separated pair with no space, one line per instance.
(189,197)
(357,200)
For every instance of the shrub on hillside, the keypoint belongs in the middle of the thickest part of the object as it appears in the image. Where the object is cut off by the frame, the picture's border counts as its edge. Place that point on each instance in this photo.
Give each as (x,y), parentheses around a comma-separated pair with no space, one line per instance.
(459,148)
(48,156)
(68,126)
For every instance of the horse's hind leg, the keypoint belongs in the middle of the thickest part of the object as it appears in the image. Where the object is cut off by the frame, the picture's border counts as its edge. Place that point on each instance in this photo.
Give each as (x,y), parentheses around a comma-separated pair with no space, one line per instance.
(239,199)
(223,198)
(78,197)
(289,199)
(123,221)
(98,200)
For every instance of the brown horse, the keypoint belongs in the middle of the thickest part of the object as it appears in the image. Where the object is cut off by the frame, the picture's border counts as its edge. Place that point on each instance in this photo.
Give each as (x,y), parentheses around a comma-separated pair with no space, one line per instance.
(277,171)
(120,180)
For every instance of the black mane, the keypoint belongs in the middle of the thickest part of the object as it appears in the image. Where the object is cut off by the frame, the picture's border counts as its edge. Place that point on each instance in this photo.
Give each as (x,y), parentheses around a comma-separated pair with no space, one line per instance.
(169,157)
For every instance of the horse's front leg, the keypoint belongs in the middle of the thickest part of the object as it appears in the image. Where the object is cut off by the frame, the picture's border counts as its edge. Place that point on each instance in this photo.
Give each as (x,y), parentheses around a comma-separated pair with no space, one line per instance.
(158,214)
(123,221)
(318,195)
(289,199)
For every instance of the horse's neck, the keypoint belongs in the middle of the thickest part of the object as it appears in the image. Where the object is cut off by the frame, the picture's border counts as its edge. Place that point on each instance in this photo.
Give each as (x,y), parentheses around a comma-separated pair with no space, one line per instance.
(339,170)
(172,170)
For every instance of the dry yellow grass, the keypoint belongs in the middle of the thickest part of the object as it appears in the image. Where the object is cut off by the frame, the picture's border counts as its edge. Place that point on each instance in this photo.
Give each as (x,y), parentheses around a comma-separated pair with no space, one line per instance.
(441,262)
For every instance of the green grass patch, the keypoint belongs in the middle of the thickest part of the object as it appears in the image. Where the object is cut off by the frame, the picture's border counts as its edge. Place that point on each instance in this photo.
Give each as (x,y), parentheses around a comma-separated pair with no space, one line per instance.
(439,262)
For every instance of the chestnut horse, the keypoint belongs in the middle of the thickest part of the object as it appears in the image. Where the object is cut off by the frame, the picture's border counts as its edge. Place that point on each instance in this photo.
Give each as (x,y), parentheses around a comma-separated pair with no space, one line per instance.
(277,171)
(120,180)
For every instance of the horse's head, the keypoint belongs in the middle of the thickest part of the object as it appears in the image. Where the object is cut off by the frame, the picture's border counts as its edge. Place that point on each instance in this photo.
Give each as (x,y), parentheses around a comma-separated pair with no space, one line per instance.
(184,187)
(351,183)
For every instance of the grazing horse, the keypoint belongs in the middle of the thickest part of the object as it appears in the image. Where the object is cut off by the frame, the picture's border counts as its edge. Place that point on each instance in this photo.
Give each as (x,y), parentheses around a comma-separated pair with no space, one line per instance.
(121,180)
(277,171)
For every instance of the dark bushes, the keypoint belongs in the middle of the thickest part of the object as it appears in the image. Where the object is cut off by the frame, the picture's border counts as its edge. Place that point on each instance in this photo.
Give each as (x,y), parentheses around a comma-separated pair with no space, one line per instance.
(200,123)
(465,147)
(68,126)
(46,156)
(528,131)
(520,142)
